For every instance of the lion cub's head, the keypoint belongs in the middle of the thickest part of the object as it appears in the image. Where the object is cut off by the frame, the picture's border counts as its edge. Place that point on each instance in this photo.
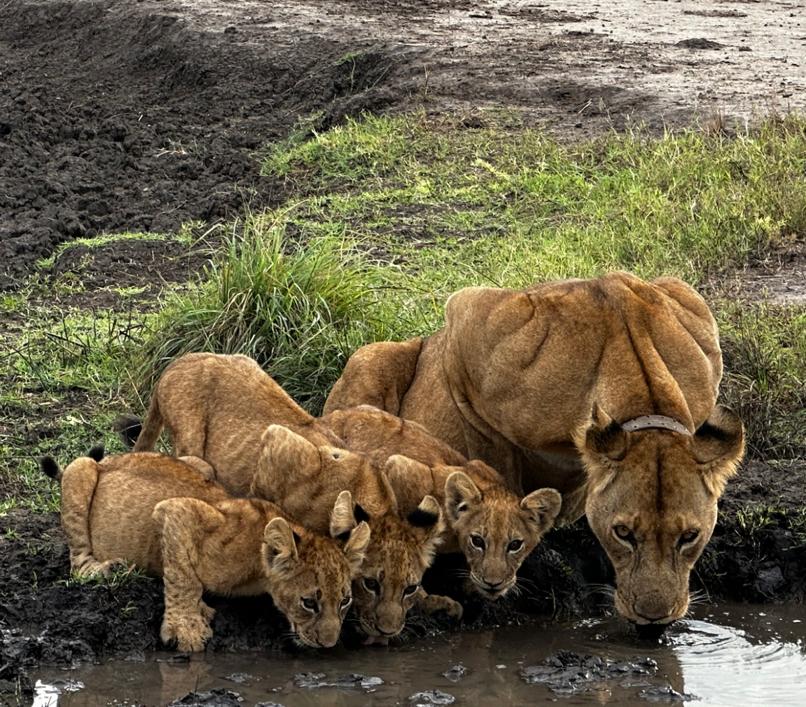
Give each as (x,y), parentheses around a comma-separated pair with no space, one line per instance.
(310,576)
(399,554)
(494,529)
(652,502)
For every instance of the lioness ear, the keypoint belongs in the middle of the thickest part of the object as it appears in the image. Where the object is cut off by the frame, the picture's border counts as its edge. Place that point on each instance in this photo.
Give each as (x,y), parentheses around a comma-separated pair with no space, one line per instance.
(428,516)
(284,456)
(718,447)
(356,548)
(604,437)
(460,494)
(543,506)
(342,517)
(279,545)
(408,479)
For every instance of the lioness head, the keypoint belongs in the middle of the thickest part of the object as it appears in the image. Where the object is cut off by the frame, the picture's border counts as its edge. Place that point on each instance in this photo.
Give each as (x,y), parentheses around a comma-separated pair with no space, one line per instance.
(496,530)
(310,576)
(396,559)
(652,502)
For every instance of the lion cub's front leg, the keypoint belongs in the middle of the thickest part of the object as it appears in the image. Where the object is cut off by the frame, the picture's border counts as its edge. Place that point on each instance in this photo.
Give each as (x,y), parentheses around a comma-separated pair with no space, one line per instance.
(432,603)
(183,523)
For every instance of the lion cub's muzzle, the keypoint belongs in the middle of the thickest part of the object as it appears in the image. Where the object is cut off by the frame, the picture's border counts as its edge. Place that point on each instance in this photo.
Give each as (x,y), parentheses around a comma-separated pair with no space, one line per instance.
(492,590)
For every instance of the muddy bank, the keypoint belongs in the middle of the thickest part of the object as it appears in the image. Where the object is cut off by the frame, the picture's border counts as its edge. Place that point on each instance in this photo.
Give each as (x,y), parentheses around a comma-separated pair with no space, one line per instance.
(140,115)
(45,619)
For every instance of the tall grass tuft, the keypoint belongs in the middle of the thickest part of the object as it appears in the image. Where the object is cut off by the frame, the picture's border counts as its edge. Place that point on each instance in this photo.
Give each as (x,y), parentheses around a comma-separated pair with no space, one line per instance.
(298,311)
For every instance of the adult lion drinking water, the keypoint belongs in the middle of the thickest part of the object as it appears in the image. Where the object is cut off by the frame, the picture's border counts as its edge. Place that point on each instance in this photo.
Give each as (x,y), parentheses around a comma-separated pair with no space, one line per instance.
(604,389)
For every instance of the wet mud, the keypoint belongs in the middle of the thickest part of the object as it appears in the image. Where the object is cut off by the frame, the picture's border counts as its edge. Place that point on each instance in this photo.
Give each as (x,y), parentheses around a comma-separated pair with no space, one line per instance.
(144,114)
(725,655)
(47,619)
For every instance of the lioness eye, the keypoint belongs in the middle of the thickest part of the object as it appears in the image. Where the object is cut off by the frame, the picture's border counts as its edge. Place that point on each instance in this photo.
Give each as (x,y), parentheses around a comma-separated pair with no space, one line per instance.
(372,585)
(622,532)
(310,604)
(515,545)
(346,601)
(477,541)
(688,537)
(408,591)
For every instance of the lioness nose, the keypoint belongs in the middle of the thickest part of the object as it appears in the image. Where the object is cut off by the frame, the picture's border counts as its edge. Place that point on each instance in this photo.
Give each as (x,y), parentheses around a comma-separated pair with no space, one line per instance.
(651,608)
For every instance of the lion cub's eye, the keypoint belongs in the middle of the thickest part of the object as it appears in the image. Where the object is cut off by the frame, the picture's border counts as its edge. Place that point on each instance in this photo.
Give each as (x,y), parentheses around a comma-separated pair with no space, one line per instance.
(372,585)
(515,545)
(477,541)
(310,604)
(622,532)
(688,537)
(408,591)
(346,601)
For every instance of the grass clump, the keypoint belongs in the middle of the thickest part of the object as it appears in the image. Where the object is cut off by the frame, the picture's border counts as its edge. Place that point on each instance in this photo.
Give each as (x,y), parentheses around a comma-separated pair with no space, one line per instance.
(764,351)
(299,311)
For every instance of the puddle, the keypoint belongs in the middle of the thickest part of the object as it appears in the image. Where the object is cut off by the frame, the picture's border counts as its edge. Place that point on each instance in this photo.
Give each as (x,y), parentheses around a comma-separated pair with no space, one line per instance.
(727,655)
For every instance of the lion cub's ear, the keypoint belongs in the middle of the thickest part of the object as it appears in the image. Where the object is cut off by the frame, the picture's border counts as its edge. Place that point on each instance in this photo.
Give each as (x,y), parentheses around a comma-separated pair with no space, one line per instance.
(279,545)
(718,447)
(342,517)
(284,457)
(428,516)
(461,494)
(356,547)
(543,507)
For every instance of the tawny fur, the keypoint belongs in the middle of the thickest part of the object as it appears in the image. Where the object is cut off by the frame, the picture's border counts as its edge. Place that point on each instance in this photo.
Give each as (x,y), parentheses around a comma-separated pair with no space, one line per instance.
(290,470)
(514,376)
(477,502)
(161,515)
(217,407)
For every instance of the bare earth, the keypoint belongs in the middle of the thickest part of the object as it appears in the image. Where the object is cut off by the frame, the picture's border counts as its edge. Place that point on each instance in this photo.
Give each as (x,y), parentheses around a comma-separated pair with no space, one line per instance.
(142,115)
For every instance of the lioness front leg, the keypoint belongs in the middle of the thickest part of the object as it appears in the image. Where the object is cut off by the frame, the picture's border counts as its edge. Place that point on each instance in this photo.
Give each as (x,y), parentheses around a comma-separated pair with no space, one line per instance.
(183,523)
(432,603)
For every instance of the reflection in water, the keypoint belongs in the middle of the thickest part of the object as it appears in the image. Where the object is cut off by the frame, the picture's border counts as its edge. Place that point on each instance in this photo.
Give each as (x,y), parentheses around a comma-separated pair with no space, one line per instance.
(729,656)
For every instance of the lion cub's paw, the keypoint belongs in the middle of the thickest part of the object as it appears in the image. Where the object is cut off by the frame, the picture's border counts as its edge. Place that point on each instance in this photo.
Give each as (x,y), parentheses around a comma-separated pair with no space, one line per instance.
(433,603)
(93,568)
(189,633)
(206,611)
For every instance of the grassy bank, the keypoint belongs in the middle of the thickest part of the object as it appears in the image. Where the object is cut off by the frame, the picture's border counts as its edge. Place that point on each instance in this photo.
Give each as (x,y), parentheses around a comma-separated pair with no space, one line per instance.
(387,216)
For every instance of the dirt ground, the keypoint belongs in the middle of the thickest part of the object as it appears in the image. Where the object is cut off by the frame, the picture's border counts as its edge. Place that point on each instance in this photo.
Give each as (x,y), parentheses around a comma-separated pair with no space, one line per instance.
(140,115)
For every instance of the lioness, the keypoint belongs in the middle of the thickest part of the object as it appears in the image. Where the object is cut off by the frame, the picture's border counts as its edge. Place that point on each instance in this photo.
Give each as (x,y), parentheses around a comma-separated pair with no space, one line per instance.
(160,514)
(604,389)
(493,527)
(217,407)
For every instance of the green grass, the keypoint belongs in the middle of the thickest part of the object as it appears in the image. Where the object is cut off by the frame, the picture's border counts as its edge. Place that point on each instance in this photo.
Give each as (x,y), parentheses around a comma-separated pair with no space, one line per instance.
(433,207)
(385,217)
(299,311)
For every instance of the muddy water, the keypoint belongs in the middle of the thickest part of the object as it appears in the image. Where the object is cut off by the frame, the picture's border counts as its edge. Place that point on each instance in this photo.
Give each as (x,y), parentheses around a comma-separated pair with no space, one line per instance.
(726,655)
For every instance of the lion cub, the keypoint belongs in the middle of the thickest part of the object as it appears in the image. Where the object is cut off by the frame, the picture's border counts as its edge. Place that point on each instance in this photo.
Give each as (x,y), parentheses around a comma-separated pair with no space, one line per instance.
(217,407)
(493,527)
(162,515)
(302,479)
